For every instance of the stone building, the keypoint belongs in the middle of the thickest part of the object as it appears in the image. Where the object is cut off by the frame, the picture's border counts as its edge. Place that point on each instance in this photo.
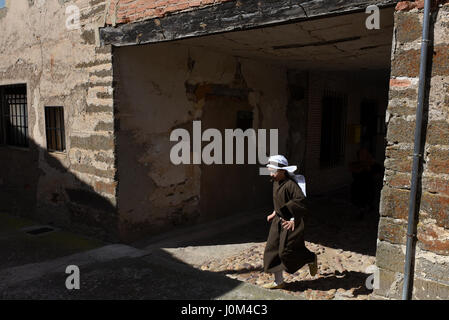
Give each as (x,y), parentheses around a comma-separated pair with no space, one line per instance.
(92,89)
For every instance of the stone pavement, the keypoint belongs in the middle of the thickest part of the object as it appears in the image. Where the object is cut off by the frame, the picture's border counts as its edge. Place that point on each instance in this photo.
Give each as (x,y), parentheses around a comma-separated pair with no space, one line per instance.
(33,267)
(345,245)
(217,260)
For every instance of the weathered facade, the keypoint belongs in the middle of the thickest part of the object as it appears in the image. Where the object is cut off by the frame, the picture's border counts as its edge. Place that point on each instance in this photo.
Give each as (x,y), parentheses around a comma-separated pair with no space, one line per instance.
(133,71)
(60,67)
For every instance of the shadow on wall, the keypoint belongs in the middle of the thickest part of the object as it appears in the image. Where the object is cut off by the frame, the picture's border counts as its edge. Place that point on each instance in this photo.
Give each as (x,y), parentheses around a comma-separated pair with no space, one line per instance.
(39,185)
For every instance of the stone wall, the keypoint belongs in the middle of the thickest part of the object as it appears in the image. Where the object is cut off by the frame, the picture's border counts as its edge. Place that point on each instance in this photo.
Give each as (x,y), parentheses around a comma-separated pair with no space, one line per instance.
(431,279)
(61,67)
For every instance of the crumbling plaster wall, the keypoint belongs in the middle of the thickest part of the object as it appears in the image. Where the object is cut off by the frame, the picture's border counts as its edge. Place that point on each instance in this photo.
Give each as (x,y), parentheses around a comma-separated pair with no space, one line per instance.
(166,86)
(61,67)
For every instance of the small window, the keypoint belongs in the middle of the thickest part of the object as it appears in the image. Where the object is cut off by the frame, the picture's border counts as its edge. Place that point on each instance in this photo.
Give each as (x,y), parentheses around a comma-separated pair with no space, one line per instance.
(54,128)
(333,132)
(13,115)
(2,4)
(244,120)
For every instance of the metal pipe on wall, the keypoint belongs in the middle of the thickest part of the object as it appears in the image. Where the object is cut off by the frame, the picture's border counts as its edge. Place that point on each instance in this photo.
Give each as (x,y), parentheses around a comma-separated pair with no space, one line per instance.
(407,290)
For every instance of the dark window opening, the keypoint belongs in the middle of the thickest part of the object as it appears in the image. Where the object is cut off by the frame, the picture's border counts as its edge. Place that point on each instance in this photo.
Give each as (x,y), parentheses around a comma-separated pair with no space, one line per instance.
(333,133)
(54,128)
(13,115)
(244,120)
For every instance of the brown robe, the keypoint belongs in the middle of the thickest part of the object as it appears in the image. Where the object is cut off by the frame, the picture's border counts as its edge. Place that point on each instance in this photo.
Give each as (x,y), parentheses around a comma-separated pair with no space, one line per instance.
(285,249)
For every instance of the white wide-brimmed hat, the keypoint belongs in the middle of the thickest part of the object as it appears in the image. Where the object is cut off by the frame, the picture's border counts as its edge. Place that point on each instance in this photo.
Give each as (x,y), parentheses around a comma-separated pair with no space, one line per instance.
(279,162)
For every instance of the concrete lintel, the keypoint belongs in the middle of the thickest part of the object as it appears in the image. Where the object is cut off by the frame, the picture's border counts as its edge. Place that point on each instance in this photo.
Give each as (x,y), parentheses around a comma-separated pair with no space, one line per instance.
(229,16)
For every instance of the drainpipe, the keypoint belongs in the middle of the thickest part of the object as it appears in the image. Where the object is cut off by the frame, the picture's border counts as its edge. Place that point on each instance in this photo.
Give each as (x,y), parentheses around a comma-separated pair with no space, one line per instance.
(411,229)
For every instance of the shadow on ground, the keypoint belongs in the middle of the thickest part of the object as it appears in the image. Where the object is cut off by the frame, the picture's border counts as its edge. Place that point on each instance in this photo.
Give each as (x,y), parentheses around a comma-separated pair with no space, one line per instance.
(157,276)
(345,280)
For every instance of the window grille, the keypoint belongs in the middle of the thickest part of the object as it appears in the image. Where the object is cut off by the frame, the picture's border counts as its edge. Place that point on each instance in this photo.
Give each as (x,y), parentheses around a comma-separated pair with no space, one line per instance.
(54,128)
(13,115)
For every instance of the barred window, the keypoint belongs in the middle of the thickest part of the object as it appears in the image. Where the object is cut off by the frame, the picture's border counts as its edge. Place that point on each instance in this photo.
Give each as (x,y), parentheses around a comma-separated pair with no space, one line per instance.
(54,128)
(13,115)
(333,129)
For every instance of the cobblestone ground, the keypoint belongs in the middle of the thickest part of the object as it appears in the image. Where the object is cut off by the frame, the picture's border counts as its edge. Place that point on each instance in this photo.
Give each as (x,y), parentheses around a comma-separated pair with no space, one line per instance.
(345,245)
(341,273)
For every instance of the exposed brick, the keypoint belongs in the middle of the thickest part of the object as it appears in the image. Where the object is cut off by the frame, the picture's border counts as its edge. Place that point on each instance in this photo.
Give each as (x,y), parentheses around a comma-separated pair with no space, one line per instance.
(104,49)
(404,6)
(438,160)
(101,84)
(130,11)
(406,63)
(392,232)
(93,63)
(95,2)
(410,94)
(100,157)
(394,203)
(390,257)
(430,268)
(93,142)
(94,108)
(88,36)
(418,4)
(398,179)
(400,83)
(399,164)
(433,224)
(440,65)
(390,284)
(436,185)
(433,238)
(102,73)
(104,95)
(82,168)
(93,12)
(438,132)
(400,130)
(409,27)
(430,290)
(437,206)
(402,108)
(103,187)
(398,159)
(104,126)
